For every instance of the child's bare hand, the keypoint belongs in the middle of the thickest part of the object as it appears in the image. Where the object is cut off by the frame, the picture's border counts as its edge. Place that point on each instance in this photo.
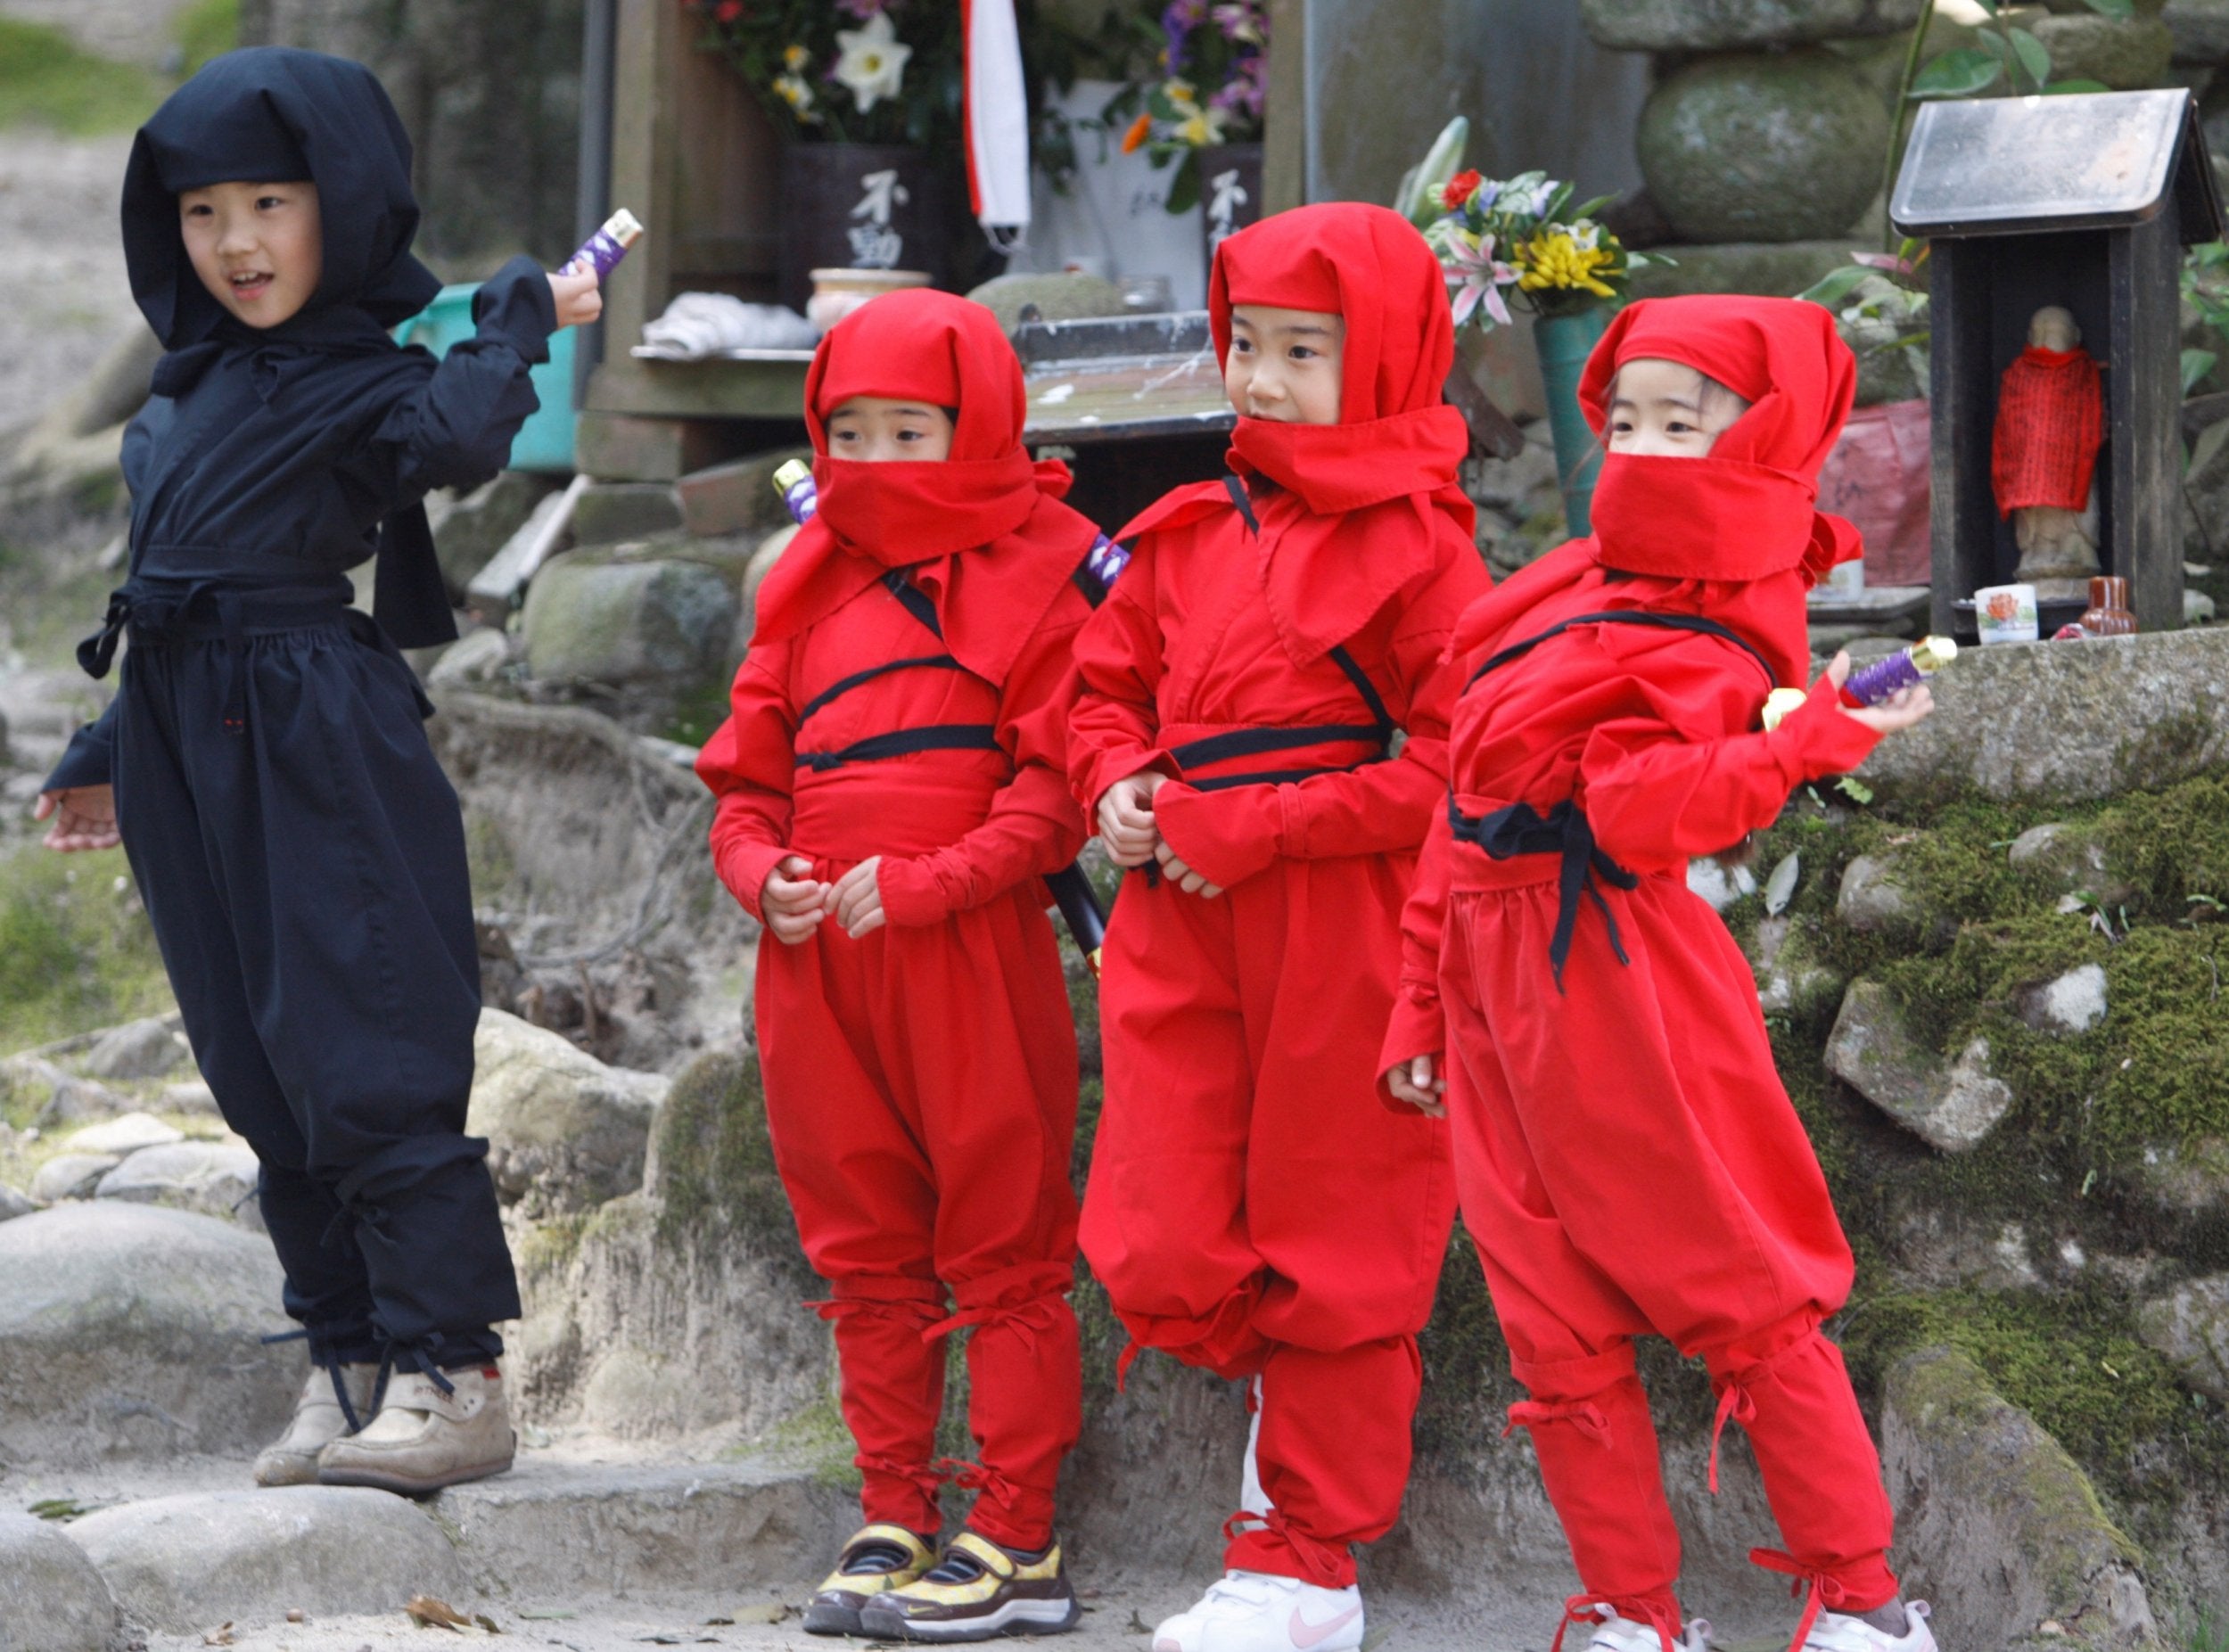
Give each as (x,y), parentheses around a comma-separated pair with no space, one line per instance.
(1174,869)
(84,817)
(1126,818)
(793,901)
(579,298)
(1900,710)
(1416,1082)
(857,898)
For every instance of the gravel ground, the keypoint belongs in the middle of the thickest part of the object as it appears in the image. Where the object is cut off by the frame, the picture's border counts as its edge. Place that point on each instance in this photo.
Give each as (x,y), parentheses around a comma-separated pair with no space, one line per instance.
(57,219)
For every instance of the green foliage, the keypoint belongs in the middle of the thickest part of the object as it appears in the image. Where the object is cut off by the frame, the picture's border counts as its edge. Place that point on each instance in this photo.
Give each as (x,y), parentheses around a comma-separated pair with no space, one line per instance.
(2070,1359)
(716,1179)
(205,29)
(75,951)
(48,80)
(2007,54)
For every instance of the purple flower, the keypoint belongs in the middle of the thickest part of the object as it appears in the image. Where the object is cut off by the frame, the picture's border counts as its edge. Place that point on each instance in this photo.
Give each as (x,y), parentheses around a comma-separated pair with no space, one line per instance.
(1178,21)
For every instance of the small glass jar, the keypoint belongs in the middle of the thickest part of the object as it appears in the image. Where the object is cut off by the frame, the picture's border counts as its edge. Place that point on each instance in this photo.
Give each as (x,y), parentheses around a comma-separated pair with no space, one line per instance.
(2109,613)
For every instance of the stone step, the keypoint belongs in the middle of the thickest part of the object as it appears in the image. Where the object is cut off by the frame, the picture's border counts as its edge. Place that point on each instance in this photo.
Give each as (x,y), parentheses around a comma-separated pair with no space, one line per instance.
(552,1528)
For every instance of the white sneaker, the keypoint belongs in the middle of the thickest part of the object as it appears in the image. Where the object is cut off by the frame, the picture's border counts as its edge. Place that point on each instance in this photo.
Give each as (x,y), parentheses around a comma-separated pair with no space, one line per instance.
(1614,1633)
(1261,1612)
(1838,1632)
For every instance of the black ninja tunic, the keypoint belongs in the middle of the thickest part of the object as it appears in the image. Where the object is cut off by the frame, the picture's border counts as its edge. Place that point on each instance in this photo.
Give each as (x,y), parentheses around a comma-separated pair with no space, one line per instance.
(300,853)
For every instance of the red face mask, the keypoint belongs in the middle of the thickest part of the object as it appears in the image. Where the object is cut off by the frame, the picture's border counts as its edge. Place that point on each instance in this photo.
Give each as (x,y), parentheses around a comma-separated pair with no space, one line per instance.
(989,502)
(1745,510)
(1366,497)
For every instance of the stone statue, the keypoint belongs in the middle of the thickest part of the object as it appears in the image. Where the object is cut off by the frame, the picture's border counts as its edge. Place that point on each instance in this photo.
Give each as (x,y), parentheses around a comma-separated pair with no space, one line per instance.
(2043,465)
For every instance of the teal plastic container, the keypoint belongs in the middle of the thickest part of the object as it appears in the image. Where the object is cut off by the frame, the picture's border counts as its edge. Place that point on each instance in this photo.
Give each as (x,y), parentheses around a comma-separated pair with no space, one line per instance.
(545,441)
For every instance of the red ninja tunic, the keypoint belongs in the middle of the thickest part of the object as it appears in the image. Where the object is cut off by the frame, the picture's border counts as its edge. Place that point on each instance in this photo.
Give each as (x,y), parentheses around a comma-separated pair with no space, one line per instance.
(921,1082)
(1628,1159)
(1247,1209)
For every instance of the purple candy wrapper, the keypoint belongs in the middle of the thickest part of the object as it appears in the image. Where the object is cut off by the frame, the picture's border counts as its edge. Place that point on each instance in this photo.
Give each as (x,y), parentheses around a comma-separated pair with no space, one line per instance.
(604,249)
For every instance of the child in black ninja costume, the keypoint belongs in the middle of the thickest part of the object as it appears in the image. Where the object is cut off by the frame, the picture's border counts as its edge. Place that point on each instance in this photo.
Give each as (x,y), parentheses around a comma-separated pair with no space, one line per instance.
(301,854)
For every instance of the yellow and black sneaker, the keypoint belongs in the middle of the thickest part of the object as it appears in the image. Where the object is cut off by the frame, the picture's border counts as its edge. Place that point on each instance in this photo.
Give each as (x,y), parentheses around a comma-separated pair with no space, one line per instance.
(878,1558)
(977,1590)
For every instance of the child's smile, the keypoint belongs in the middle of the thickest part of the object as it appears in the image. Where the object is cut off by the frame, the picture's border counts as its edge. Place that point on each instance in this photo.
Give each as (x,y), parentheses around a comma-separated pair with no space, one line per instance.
(259,248)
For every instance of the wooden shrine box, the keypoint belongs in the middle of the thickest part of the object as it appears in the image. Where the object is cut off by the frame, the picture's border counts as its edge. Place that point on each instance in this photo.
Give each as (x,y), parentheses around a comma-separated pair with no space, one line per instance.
(2083,200)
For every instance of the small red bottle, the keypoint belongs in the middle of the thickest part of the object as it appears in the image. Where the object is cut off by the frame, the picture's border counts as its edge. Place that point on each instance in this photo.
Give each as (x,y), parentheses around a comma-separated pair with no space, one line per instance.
(2109,614)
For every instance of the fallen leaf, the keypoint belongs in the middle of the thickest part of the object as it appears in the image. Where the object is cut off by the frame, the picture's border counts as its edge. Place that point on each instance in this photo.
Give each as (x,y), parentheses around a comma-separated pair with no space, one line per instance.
(428,1613)
(1380,1635)
(1779,888)
(1137,1625)
(59,1509)
(766,1612)
(220,1636)
(487,1622)
(548,1615)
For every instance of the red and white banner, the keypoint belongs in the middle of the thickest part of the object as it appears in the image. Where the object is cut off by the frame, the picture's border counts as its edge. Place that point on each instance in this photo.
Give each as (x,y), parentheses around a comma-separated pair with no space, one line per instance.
(996,109)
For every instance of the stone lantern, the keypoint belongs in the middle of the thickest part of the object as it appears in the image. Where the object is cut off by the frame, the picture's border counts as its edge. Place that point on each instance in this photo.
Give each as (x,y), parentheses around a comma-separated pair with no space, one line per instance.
(2080,201)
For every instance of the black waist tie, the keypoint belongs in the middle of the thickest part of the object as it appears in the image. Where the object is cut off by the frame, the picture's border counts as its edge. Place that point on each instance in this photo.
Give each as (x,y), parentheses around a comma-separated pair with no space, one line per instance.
(202,610)
(1520,829)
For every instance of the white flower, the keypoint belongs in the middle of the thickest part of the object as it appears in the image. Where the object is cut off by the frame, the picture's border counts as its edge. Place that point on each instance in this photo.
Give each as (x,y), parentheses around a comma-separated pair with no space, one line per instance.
(873,61)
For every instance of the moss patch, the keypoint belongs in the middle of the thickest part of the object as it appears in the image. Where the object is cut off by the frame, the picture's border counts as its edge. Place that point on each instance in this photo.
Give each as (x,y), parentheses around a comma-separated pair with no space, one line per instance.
(46,80)
(716,1174)
(76,951)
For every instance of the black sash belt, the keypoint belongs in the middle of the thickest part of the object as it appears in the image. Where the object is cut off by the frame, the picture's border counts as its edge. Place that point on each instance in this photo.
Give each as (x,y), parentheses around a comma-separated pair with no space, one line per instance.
(1520,829)
(204,610)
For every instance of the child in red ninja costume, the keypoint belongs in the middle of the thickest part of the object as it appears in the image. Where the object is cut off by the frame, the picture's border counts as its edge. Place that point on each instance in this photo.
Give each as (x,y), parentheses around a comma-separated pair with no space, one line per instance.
(891,798)
(1247,1209)
(1628,1161)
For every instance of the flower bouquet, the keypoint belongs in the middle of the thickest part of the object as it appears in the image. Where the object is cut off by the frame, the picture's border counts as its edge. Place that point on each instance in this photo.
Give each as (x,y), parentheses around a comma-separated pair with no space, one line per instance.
(1214,59)
(846,71)
(1521,241)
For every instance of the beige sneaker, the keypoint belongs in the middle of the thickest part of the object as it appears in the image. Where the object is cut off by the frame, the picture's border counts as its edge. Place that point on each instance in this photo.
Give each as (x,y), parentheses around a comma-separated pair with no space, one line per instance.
(318,1421)
(423,1439)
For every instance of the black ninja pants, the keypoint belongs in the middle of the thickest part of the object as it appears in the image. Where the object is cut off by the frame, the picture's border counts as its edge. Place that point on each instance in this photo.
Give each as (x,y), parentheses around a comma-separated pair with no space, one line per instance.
(302,857)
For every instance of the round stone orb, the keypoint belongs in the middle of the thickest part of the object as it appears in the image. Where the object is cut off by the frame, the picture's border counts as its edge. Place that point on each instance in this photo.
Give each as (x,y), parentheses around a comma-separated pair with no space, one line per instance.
(1762,146)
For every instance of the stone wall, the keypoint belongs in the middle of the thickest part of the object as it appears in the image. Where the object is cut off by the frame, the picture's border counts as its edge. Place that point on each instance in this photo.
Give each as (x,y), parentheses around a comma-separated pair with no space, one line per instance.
(491,90)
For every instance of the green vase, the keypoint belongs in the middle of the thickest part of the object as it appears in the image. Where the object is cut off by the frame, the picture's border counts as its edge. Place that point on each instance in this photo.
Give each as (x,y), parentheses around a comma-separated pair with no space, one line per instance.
(1565,342)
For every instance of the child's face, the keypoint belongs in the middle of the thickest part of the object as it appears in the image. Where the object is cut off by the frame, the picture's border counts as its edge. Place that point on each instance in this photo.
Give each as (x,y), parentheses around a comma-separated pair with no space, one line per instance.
(874,428)
(1667,409)
(259,247)
(1284,364)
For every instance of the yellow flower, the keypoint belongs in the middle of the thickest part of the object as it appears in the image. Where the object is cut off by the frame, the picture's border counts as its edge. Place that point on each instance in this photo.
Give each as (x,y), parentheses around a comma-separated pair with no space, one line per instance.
(793,91)
(794,58)
(1554,260)
(1181,94)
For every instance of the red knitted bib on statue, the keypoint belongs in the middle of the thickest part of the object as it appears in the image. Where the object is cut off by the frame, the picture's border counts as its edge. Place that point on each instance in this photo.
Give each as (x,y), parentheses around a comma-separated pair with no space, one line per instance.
(2051,422)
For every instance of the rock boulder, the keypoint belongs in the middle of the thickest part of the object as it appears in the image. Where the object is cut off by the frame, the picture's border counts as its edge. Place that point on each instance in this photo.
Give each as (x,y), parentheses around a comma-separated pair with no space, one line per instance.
(1952,1105)
(138,1049)
(566,1133)
(181,1564)
(2066,720)
(1751,146)
(213,1178)
(51,1598)
(2190,1324)
(135,1332)
(1997,1525)
(1729,25)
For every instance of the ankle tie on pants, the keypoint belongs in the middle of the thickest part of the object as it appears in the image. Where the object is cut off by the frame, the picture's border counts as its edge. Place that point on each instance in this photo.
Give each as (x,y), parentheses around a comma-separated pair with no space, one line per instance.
(1587,1611)
(1581,1414)
(1737,1404)
(1319,1568)
(1825,1591)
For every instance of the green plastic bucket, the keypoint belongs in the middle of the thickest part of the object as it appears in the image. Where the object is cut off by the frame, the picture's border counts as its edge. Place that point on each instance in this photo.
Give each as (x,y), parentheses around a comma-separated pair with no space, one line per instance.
(545,441)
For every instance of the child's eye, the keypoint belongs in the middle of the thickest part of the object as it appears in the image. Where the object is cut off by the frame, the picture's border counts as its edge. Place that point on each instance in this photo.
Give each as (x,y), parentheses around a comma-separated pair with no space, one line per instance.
(1242,347)
(1301,353)
(264,203)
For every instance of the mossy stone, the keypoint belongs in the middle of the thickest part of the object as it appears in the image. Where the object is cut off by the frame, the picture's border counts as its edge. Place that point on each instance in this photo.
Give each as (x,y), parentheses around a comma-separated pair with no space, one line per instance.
(1684,26)
(2128,55)
(1752,146)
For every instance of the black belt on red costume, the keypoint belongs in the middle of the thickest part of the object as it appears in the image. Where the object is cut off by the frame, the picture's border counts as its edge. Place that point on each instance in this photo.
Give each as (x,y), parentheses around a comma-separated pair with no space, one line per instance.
(1520,829)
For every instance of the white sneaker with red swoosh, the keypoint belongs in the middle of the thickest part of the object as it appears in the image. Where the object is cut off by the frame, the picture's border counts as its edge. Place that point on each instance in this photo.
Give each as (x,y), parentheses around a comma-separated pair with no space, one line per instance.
(1261,1612)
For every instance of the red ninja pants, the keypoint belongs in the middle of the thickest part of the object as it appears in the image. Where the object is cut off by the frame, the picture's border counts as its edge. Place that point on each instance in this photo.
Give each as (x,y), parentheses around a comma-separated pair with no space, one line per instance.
(1630,1164)
(1253,1208)
(921,1090)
